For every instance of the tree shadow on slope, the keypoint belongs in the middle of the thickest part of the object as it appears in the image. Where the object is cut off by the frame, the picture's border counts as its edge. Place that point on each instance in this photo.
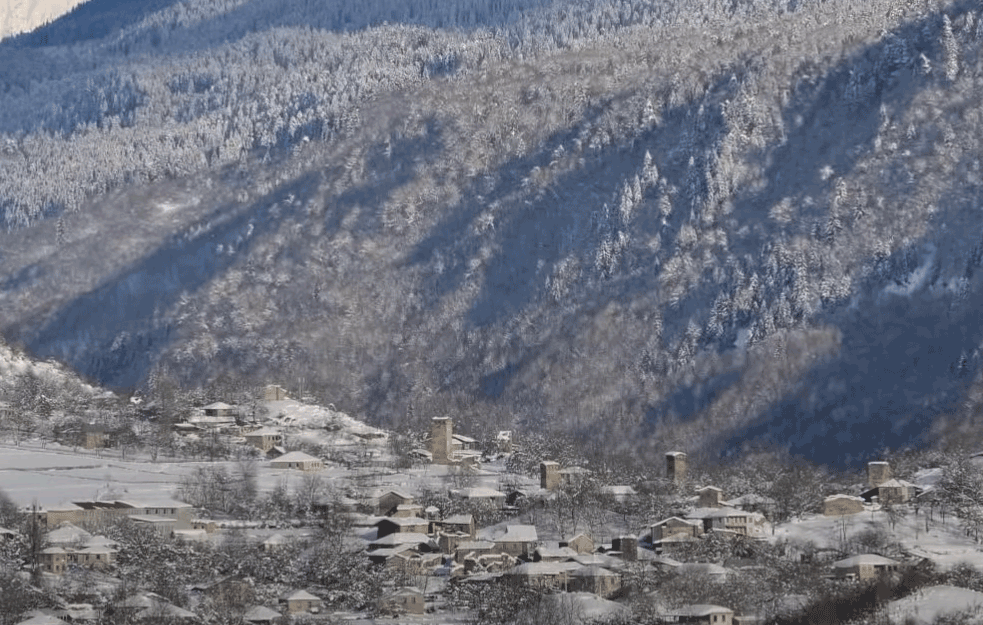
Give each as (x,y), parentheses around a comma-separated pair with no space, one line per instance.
(881,407)
(116,332)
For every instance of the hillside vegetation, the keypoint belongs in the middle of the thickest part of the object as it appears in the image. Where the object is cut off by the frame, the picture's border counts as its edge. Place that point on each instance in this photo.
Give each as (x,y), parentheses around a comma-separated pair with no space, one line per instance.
(695,224)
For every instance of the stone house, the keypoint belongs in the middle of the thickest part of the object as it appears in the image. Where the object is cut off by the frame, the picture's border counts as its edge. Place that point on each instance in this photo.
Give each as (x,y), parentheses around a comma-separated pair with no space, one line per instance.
(94,556)
(264,439)
(842,505)
(396,525)
(297,460)
(547,553)
(475,548)
(460,442)
(710,497)
(574,477)
(865,567)
(581,543)
(675,526)
(730,519)
(386,502)
(518,541)
(302,601)
(54,560)
(892,491)
(219,409)
(402,601)
(480,494)
(409,510)
(458,524)
(595,579)
(93,436)
(544,575)
(261,615)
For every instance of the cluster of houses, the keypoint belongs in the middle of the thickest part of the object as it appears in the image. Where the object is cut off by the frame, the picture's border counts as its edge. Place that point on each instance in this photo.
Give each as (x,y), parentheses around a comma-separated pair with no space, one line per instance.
(403,535)
(882,488)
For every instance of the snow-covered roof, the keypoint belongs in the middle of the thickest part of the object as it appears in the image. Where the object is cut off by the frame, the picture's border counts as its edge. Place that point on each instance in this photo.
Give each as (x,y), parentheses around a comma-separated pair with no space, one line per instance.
(865,558)
(463,438)
(477,492)
(262,432)
(43,619)
(302,595)
(842,497)
(597,559)
(518,534)
(700,610)
(260,613)
(219,405)
(617,489)
(67,533)
(545,568)
(475,545)
(403,521)
(693,522)
(750,499)
(402,538)
(593,571)
(927,604)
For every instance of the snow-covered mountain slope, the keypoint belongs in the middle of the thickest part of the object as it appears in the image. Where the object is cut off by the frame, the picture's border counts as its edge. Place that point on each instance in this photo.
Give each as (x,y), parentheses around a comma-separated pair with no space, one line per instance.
(658,227)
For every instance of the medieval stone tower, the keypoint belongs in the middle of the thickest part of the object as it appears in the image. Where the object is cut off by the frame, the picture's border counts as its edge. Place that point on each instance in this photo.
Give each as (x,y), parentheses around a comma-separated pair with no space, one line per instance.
(441,438)
(878,473)
(676,467)
(549,475)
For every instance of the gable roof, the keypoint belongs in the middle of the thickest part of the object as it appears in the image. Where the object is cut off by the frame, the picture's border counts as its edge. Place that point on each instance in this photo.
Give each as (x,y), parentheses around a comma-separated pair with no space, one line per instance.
(864,558)
(518,534)
(260,613)
(302,595)
(262,432)
(219,405)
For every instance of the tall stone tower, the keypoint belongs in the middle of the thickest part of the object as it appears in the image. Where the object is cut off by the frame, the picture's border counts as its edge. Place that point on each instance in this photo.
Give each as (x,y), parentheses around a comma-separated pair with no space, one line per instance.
(878,473)
(549,475)
(441,437)
(676,467)
(628,546)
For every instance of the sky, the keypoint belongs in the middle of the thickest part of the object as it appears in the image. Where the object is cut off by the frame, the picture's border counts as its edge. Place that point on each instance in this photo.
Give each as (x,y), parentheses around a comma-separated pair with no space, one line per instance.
(25,15)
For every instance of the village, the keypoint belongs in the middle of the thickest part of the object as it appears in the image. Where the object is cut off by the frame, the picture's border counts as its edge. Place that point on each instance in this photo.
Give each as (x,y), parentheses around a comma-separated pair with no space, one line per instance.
(443,527)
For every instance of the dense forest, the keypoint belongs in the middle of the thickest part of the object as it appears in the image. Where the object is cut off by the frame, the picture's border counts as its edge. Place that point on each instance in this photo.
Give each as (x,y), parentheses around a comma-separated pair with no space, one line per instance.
(695,224)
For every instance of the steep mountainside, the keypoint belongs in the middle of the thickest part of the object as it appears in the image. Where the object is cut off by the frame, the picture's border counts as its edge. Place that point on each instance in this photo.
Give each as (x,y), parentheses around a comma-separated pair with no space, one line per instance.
(687,224)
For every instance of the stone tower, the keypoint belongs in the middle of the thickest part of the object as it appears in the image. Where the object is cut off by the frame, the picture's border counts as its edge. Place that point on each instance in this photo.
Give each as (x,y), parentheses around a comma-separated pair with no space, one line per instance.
(628,546)
(441,437)
(549,475)
(878,473)
(676,467)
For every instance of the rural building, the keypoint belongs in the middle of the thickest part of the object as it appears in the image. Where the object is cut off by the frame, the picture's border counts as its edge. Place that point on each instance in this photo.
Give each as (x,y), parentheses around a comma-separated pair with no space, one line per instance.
(545,575)
(54,560)
(402,601)
(574,477)
(397,525)
(386,502)
(731,519)
(700,614)
(676,467)
(261,615)
(675,526)
(219,409)
(581,543)
(474,549)
(752,503)
(93,556)
(458,524)
(892,491)
(864,567)
(275,542)
(460,442)
(264,439)
(503,441)
(842,505)
(297,460)
(549,475)
(274,392)
(441,440)
(518,541)
(627,546)
(479,494)
(93,436)
(302,601)
(408,510)
(545,553)
(710,497)
(878,473)
(618,492)
(595,579)
(148,605)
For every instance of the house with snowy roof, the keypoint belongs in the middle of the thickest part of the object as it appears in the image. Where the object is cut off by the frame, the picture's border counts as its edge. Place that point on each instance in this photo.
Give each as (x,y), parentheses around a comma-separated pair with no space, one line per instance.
(865,567)
(700,614)
(264,439)
(302,601)
(261,615)
(297,460)
(518,541)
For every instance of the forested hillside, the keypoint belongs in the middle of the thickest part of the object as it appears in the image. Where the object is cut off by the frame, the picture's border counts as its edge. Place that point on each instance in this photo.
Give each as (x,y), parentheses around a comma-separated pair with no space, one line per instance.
(690,224)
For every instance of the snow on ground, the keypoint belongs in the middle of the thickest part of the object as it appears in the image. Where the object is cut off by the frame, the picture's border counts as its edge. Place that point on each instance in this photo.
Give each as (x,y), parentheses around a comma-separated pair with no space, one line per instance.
(924,606)
(944,544)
